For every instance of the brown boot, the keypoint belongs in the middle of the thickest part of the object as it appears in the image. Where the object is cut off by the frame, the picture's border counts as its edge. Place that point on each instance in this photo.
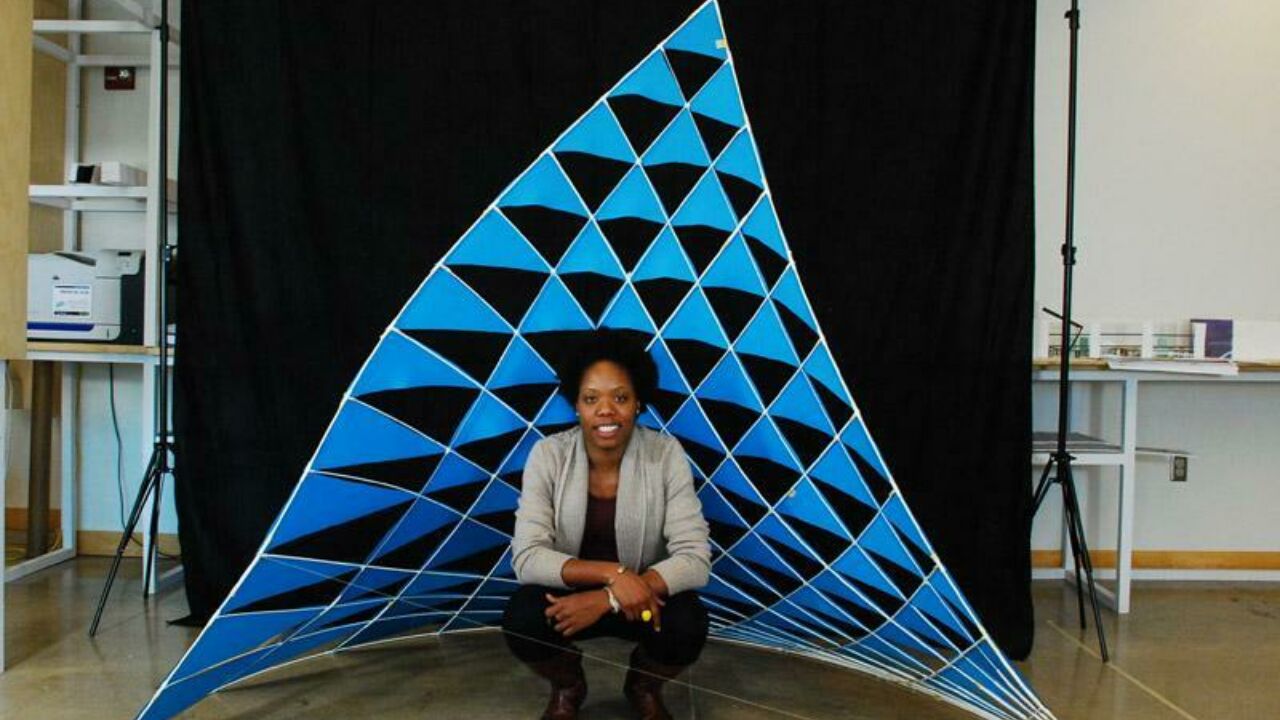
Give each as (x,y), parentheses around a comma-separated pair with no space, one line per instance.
(568,685)
(644,682)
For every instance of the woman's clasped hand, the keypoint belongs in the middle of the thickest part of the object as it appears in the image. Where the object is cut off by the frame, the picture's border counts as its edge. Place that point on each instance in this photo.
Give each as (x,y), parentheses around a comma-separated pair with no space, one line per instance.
(573,613)
(635,596)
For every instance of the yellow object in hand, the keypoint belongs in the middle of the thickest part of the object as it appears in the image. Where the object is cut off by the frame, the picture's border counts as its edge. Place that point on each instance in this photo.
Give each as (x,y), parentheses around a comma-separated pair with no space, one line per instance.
(646,616)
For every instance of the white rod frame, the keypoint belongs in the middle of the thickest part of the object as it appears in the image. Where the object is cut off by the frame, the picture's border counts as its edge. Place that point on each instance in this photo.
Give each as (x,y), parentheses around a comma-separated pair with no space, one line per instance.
(89,27)
(124,60)
(51,48)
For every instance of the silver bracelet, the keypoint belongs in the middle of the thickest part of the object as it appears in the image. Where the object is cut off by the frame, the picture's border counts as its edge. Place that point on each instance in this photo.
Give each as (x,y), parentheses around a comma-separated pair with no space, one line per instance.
(614,607)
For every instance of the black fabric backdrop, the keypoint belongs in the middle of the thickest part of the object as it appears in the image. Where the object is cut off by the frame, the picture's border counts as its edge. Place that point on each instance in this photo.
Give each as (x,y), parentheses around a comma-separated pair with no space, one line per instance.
(331,151)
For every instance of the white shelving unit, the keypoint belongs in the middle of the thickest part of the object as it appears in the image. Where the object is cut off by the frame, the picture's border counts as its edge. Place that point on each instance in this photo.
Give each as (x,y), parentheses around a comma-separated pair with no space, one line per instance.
(98,198)
(75,199)
(143,19)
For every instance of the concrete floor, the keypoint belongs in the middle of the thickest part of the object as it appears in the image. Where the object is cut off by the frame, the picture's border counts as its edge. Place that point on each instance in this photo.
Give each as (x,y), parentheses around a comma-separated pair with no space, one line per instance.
(1187,651)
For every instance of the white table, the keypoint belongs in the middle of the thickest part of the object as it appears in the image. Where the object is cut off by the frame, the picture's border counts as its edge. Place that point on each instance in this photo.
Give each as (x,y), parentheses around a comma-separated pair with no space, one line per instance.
(1124,454)
(73,356)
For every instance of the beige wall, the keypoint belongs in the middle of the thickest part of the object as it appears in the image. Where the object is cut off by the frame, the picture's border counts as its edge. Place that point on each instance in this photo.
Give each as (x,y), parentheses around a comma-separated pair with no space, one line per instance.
(15,133)
(1176,217)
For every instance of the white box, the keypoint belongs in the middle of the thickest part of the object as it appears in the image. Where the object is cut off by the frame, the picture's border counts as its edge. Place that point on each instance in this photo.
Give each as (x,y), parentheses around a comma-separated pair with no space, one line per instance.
(1255,340)
(109,173)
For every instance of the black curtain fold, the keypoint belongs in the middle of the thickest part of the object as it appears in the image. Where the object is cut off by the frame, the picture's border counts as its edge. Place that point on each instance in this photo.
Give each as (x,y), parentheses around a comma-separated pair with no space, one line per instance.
(331,152)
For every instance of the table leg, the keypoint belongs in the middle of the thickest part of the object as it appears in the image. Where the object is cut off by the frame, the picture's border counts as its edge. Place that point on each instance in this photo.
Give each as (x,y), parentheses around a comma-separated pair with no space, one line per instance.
(1128,481)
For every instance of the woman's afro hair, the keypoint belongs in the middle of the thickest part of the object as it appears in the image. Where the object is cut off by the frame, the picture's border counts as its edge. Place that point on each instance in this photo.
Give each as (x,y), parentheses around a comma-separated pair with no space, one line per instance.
(615,347)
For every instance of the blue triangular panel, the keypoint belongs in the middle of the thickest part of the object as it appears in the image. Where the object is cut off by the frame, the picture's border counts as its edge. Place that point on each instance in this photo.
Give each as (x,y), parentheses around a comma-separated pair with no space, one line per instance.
(880,539)
(896,512)
(690,424)
(323,501)
(833,586)
(763,441)
(626,313)
(706,205)
(739,159)
(239,633)
(361,434)
(788,292)
(179,694)
(700,34)
(590,253)
(669,377)
(437,585)
(719,98)
(597,133)
(734,269)
(469,538)
(835,469)
(762,224)
(804,503)
(521,366)
(515,461)
(494,242)
(856,566)
(544,185)
(798,402)
(374,583)
(828,563)
(766,338)
(555,309)
(820,367)
(275,576)
(729,383)
(445,303)
(695,320)
(649,418)
(454,470)
(753,550)
(651,79)
(557,412)
(487,418)
(400,363)
(423,518)
(312,641)
(665,259)
(729,478)
(679,143)
(632,198)
(931,605)
(855,436)
(497,498)
(716,510)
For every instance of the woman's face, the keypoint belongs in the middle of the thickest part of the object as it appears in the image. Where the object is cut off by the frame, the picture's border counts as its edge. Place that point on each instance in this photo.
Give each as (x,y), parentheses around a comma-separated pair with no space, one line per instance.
(607,406)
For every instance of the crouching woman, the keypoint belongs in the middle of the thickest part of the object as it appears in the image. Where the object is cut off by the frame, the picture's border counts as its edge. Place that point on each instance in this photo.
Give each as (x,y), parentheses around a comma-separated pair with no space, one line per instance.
(609,538)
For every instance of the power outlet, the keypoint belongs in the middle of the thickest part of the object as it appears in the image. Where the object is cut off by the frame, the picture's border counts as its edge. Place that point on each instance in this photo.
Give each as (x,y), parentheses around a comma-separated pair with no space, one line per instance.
(1178,468)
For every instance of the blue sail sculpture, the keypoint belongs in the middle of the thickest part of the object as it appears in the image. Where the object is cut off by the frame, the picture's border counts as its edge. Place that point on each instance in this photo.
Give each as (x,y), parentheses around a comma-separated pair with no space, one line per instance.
(650,215)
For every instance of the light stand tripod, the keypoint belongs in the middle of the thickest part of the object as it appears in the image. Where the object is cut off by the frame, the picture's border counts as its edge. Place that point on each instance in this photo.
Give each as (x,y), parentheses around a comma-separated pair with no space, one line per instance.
(1061,459)
(158,466)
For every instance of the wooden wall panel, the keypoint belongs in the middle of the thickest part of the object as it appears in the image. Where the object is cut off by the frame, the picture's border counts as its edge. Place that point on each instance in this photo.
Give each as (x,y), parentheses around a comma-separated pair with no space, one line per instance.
(15,159)
(48,131)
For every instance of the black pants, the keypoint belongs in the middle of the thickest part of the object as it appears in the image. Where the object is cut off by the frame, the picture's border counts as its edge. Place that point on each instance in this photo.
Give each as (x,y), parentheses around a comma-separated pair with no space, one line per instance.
(531,639)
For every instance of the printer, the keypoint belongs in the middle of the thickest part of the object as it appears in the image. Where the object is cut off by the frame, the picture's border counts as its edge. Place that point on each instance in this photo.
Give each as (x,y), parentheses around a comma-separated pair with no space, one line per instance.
(85,296)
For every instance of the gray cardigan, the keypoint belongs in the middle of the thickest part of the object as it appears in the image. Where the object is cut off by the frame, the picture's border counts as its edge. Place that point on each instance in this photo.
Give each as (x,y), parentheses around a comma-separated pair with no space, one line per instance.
(658,518)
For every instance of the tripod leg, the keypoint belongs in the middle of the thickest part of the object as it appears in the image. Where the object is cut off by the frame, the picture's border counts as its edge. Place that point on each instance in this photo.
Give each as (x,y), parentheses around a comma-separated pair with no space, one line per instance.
(135,514)
(1042,487)
(152,549)
(1070,516)
(1088,571)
